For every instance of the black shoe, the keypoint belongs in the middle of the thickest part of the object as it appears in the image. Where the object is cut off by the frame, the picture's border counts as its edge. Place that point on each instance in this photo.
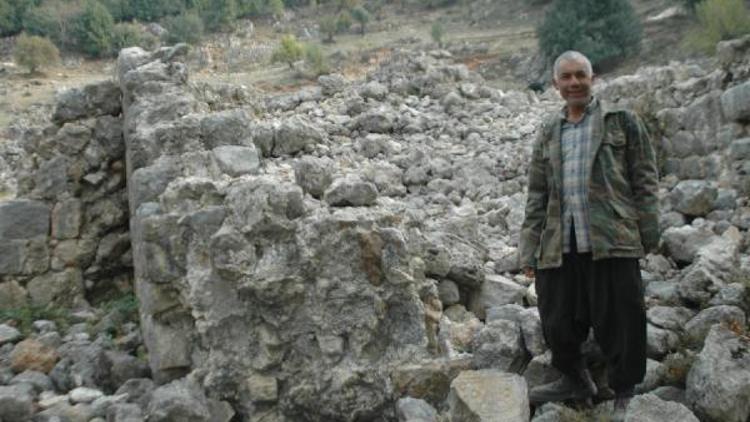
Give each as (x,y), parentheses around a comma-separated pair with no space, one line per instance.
(585,378)
(565,388)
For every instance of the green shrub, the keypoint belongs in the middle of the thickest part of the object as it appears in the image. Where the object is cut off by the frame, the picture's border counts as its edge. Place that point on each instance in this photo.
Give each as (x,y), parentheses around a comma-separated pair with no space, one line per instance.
(327,26)
(437,32)
(718,20)
(93,29)
(33,52)
(690,4)
(12,14)
(186,27)
(343,22)
(23,318)
(289,51)
(276,8)
(315,60)
(604,30)
(362,16)
(127,35)
(219,14)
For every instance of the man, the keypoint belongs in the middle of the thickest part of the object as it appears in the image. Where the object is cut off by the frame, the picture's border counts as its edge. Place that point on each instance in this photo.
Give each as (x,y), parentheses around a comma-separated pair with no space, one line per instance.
(591,213)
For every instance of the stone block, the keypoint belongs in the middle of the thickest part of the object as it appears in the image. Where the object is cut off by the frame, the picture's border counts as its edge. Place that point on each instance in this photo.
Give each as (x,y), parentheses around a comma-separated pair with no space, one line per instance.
(24,219)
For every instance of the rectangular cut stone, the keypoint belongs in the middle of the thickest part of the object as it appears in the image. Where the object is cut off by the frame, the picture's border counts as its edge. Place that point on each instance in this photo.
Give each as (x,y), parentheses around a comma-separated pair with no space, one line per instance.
(24,219)
(735,102)
(66,219)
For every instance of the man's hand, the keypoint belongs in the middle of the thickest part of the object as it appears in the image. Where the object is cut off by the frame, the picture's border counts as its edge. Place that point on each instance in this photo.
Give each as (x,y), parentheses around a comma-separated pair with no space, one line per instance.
(528,272)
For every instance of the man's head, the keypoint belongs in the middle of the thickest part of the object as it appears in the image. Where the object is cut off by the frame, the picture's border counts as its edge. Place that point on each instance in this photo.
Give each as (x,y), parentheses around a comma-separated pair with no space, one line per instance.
(573,78)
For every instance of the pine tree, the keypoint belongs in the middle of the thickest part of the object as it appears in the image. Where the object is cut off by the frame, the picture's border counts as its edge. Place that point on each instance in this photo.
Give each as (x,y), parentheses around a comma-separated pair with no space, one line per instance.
(219,14)
(94,28)
(603,30)
(362,16)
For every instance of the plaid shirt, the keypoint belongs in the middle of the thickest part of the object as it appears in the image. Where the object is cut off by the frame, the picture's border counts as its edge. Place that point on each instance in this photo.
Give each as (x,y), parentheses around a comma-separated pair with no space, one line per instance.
(575,145)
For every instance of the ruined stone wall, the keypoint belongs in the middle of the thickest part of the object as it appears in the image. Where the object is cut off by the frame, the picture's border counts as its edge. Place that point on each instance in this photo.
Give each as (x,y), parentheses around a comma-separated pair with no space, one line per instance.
(274,302)
(64,237)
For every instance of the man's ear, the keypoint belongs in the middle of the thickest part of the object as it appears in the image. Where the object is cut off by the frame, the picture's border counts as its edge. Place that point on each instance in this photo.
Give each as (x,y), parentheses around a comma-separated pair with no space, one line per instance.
(554,82)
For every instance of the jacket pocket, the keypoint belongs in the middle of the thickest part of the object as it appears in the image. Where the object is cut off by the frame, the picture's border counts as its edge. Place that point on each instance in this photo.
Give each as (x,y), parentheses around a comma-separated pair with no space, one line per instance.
(623,211)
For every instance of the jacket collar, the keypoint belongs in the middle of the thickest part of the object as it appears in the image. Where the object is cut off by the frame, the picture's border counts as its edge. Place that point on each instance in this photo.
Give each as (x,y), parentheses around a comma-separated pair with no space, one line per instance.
(597,110)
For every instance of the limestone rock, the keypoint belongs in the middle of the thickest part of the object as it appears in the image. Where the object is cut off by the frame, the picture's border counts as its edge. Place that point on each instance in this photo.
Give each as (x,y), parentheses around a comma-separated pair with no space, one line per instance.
(314,175)
(718,384)
(32,355)
(694,197)
(488,395)
(499,346)
(93,100)
(698,327)
(415,410)
(734,102)
(23,219)
(351,191)
(650,408)
(8,334)
(16,403)
(237,160)
(496,291)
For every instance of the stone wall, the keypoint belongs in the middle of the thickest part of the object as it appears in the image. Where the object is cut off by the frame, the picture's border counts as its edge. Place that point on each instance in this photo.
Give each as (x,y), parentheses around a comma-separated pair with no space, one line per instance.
(64,237)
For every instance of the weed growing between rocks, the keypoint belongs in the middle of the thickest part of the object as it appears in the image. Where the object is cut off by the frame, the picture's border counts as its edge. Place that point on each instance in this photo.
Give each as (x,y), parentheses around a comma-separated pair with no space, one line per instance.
(23,318)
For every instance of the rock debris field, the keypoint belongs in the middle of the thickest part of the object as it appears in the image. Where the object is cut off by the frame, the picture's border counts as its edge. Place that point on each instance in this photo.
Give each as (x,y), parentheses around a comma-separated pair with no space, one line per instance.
(348,251)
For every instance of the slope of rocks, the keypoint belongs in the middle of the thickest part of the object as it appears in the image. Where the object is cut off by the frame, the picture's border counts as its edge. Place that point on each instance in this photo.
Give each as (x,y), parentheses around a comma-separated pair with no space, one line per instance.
(348,251)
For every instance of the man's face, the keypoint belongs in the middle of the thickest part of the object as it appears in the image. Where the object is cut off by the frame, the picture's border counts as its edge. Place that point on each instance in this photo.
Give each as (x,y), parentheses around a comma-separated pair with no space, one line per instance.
(574,83)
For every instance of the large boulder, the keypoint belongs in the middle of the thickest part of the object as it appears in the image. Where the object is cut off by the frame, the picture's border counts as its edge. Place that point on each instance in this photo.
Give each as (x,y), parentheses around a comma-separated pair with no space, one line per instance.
(103,98)
(24,219)
(650,408)
(735,102)
(694,197)
(718,384)
(488,395)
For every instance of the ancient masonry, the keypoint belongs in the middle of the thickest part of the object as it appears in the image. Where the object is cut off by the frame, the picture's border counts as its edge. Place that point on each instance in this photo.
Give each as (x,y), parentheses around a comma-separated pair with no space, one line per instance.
(350,255)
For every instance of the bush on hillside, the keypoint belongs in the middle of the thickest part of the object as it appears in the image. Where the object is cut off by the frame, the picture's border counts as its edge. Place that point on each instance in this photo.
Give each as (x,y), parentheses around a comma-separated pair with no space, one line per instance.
(718,20)
(12,14)
(362,16)
(604,30)
(276,8)
(56,20)
(34,52)
(343,22)
(437,32)
(127,35)
(327,25)
(315,60)
(186,27)
(289,51)
(219,14)
(93,29)
(691,4)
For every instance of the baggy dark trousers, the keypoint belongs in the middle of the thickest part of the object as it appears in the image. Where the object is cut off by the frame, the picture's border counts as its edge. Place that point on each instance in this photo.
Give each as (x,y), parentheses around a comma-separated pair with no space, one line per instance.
(606,295)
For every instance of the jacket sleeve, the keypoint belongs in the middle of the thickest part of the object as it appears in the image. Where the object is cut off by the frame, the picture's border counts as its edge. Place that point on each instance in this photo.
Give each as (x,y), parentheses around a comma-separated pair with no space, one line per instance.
(644,180)
(536,204)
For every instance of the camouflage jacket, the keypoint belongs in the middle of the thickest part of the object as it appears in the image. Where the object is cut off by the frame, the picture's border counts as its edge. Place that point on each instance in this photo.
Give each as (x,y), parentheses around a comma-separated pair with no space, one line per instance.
(622,191)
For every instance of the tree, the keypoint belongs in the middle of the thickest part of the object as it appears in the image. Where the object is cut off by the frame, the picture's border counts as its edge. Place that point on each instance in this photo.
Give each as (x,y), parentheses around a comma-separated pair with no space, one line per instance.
(219,14)
(343,22)
(328,27)
(93,29)
(289,51)
(35,52)
(315,60)
(604,30)
(186,27)
(362,16)
(53,19)
(127,35)
(437,32)
(12,13)
(276,8)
